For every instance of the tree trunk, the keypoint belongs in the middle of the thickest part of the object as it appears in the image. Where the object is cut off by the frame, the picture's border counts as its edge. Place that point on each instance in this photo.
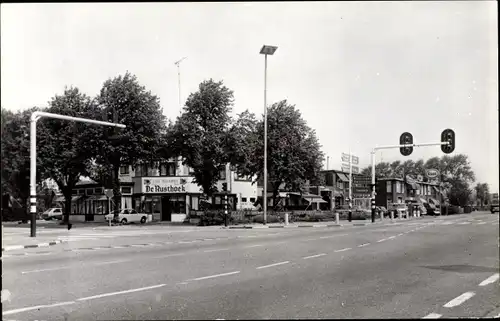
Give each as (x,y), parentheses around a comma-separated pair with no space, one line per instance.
(67,205)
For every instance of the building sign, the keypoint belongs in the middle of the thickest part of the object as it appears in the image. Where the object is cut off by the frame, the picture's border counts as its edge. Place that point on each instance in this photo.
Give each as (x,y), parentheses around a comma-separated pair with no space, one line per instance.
(168,185)
(432,173)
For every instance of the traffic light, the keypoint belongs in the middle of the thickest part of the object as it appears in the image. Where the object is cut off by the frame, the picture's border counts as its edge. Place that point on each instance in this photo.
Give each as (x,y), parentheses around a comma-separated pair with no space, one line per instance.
(224,187)
(406,139)
(448,136)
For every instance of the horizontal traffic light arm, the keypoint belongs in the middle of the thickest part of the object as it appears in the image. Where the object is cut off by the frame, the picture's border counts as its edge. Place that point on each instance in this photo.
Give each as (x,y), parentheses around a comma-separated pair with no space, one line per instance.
(409,145)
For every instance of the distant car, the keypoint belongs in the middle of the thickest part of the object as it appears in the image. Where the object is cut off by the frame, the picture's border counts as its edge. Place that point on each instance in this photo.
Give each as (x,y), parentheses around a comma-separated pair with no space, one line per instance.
(127,216)
(52,213)
(494,208)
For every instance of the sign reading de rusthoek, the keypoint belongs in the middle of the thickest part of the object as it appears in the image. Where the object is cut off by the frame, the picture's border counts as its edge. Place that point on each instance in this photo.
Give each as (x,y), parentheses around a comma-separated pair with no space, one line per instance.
(168,185)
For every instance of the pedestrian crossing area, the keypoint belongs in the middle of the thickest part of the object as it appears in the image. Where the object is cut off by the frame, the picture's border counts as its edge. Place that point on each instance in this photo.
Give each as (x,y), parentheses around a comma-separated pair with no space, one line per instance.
(100,236)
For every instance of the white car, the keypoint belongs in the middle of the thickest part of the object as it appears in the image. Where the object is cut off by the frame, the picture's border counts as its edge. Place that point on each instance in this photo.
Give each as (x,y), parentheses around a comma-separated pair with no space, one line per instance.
(128,216)
(53,213)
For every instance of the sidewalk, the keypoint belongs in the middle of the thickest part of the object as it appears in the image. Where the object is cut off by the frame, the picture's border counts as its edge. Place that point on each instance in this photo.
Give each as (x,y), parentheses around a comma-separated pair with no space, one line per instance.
(16,243)
(315,224)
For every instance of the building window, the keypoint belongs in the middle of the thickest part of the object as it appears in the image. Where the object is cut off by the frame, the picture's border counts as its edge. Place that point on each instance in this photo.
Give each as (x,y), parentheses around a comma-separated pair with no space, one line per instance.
(168,169)
(398,187)
(98,190)
(141,170)
(222,174)
(389,186)
(124,170)
(81,191)
(90,191)
(127,190)
(252,199)
(74,192)
(243,199)
(329,179)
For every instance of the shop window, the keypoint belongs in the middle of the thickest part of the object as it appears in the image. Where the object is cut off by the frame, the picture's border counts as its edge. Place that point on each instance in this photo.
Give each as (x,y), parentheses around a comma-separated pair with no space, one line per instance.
(195,200)
(124,170)
(127,190)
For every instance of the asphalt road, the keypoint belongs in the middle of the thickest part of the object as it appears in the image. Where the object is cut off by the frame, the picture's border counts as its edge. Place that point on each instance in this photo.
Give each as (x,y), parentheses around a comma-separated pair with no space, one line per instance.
(442,267)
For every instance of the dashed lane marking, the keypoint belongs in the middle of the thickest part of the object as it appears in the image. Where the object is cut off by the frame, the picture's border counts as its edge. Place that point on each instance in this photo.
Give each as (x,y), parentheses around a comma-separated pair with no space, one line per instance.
(37,307)
(252,246)
(343,250)
(121,292)
(216,250)
(433,316)
(490,280)
(391,238)
(271,265)
(313,256)
(363,245)
(382,240)
(215,276)
(459,299)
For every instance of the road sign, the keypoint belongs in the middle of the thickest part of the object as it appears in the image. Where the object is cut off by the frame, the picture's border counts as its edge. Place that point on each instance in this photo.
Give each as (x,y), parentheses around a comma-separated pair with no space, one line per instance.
(355,170)
(345,157)
(108,192)
(364,180)
(345,168)
(432,173)
(355,160)
(361,190)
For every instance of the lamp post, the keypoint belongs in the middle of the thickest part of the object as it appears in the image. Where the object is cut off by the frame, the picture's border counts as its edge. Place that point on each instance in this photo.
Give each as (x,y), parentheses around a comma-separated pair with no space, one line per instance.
(266,50)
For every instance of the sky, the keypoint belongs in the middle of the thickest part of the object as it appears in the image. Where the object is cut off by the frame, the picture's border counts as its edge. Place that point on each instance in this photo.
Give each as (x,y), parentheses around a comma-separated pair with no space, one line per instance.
(361,73)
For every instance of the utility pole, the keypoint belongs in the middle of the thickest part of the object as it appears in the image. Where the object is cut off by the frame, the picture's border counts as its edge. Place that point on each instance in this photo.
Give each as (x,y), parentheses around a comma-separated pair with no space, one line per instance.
(177,63)
(350,185)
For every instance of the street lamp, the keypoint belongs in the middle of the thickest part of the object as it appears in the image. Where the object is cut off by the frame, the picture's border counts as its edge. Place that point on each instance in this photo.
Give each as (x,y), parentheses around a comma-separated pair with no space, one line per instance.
(266,50)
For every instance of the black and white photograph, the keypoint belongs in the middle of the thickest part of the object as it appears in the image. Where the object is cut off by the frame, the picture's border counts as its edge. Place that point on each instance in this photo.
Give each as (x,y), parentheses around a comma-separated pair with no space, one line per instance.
(249,160)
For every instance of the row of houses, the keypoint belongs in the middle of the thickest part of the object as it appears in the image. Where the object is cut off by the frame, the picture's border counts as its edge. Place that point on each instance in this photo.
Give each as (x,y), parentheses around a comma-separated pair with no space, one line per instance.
(167,191)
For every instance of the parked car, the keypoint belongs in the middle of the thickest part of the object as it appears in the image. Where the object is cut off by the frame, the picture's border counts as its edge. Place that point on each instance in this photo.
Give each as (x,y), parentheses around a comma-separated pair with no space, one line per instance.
(432,209)
(53,213)
(127,216)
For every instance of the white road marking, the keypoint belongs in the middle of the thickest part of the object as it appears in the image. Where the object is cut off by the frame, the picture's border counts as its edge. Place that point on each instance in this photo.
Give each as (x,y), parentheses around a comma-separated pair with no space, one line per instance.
(215,276)
(490,280)
(110,262)
(362,245)
(250,246)
(168,255)
(216,250)
(271,265)
(37,307)
(400,234)
(382,240)
(313,256)
(310,240)
(459,299)
(343,250)
(392,237)
(45,270)
(432,316)
(121,292)
(464,223)
(282,242)
(481,223)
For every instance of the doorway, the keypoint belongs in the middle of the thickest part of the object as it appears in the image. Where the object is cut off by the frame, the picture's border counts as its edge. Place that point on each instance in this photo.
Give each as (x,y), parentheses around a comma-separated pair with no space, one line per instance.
(166,209)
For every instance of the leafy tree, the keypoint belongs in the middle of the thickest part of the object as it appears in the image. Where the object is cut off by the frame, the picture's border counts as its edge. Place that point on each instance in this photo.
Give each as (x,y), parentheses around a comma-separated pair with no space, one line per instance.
(123,100)
(294,153)
(66,147)
(15,156)
(482,193)
(382,170)
(201,134)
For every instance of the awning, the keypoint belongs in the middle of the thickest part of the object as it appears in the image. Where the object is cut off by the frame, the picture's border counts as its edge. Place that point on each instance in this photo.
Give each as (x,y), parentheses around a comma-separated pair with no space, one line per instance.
(97,198)
(342,177)
(61,198)
(312,198)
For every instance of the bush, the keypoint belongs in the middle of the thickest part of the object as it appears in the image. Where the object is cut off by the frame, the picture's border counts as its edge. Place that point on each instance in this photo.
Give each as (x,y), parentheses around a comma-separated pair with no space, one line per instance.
(271,218)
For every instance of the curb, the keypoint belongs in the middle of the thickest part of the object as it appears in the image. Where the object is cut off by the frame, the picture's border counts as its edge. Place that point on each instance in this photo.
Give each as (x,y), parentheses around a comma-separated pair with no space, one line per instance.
(30,246)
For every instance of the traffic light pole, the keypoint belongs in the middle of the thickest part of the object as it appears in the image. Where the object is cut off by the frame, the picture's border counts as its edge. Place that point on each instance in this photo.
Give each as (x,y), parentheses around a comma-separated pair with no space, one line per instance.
(35,116)
(375,149)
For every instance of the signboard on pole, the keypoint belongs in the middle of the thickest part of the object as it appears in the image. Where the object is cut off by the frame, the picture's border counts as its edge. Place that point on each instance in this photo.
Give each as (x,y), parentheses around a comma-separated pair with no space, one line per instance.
(345,158)
(345,168)
(355,170)
(432,173)
(355,160)
(108,193)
